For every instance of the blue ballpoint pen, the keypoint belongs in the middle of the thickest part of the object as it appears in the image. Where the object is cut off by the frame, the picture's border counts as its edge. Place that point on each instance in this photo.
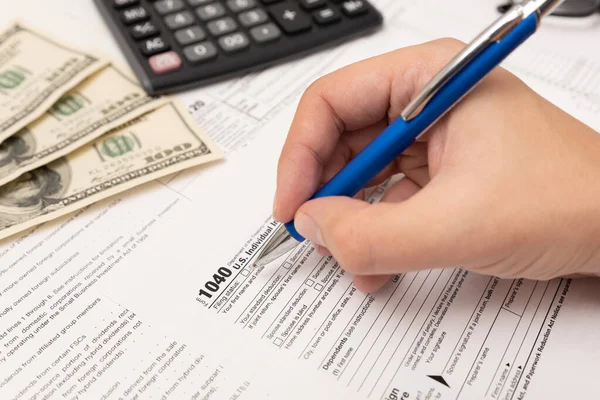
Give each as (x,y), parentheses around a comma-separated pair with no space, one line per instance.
(447,88)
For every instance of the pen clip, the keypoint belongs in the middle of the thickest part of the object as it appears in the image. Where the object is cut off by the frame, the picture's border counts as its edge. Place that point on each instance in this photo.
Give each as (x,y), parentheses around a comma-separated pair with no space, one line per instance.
(494,32)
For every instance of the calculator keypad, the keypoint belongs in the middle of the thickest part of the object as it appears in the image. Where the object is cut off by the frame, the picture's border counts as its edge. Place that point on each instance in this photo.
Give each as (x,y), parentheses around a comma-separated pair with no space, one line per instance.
(200,52)
(194,3)
(167,6)
(221,26)
(234,42)
(265,33)
(165,62)
(327,16)
(210,11)
(135,14)
(253,17)
(290,17)
(154,46)
(190,36)
(240,5)
(143,30)
(124,3)
(179,20)
(353,8)
(312,4)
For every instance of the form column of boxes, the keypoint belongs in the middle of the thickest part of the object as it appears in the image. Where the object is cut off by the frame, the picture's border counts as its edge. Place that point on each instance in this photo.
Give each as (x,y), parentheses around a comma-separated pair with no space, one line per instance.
(309,282)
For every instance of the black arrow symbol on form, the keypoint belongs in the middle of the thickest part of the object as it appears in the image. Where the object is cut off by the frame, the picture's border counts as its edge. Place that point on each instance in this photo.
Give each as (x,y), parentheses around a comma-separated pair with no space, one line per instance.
(440,379)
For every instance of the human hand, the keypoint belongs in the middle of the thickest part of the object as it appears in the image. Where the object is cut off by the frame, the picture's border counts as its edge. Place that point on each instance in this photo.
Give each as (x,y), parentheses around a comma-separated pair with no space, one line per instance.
(505,184)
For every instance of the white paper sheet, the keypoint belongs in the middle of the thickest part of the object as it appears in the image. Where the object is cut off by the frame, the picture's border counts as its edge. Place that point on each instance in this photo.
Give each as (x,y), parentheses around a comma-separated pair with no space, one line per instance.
(106,303)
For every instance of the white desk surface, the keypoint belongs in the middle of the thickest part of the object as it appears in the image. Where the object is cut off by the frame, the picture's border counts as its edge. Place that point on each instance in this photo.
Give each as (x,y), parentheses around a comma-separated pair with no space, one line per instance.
(571,43)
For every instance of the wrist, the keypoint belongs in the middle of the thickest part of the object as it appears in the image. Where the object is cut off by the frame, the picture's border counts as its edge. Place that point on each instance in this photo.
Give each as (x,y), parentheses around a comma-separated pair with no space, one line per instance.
(591,170)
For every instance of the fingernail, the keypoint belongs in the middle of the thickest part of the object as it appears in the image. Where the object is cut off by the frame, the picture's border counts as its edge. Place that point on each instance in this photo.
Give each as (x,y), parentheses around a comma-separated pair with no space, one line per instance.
(307,227)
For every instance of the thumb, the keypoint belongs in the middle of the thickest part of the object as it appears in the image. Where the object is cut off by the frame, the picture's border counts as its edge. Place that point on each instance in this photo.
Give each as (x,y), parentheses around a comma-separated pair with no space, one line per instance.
(429,230)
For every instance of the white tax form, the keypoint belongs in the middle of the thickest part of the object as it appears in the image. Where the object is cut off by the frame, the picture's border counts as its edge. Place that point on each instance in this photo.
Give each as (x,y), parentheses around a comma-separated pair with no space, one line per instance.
(151,295)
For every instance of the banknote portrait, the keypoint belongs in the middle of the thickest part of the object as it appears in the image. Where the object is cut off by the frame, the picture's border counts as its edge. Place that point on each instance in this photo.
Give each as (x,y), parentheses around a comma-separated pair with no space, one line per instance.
(15,149)
(33,193)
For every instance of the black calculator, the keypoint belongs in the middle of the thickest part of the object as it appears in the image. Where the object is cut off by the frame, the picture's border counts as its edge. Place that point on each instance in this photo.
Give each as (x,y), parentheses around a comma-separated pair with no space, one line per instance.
(174,45)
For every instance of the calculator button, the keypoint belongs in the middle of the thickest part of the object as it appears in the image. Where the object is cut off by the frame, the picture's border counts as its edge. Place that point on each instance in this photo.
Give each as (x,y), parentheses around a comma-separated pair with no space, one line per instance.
(167,6)
(265,33)
(164,62)
(154,46)
(200,52)
(327,16)
(253,17)
(234,42)
(189,35)
(179,20)
(210,11)
(354,7)
(143,30)
(124,3)
(240,5)
(221,26)
(195,3)
(312,4)
(135,14)
(290,18)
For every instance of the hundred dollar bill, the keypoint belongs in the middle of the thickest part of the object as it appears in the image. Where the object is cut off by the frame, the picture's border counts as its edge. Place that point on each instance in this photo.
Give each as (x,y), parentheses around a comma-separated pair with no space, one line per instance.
(153,145)
(107,99)
(35,71)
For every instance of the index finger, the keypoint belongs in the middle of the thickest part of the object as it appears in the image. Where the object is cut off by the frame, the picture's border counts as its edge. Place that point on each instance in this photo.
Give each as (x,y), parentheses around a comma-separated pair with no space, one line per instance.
(349,99)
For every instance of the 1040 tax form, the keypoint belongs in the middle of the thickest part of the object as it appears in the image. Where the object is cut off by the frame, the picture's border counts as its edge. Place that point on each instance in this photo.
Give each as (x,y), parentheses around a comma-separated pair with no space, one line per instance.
(152,294)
